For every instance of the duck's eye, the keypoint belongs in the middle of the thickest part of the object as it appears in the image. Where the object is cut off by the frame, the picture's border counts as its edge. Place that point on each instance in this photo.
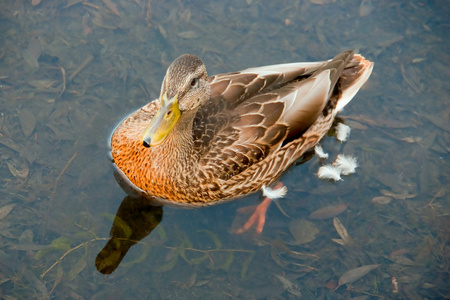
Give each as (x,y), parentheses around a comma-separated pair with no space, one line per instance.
(194,82)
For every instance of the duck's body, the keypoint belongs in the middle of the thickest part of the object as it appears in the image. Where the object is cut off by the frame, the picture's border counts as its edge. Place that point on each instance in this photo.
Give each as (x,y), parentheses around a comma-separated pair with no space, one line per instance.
(213,139)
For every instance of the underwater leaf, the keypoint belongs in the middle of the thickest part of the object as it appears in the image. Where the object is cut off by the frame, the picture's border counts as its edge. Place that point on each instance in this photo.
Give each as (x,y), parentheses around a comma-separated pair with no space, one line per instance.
(41,253)
(161,232)
(196,260)
(226,265)
(42,84)
(355,274)
(9,143)
(173,253)
(402,196)
(27,122)
(18,167)
(61,243)
(341,231)
(328,212)
(366,8)
(26,238)
(112,7)
(245,266)
(303,231)
(166,266)
(401,260)
(276,256)
(186,243)
(35,2)
(339,241)
(79,266)
(289,286)
(382,200)
(30,59)
(5,210)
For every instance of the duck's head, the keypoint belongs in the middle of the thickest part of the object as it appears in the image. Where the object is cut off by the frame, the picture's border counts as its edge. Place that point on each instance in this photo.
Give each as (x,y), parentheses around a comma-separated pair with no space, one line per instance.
(184,89)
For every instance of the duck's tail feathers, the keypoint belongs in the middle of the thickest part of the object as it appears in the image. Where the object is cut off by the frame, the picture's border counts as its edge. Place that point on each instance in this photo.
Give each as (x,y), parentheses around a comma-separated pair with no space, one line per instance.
(355,74)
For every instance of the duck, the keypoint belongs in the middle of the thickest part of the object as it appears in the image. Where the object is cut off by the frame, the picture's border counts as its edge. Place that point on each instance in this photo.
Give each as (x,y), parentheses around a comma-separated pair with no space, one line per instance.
(210,139)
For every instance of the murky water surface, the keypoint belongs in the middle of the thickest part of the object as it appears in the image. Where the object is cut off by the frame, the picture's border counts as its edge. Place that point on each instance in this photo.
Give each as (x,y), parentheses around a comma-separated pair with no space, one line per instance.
(70,70)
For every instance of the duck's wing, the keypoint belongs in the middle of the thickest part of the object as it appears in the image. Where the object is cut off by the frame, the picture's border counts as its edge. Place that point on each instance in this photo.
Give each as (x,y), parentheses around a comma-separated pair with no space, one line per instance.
(252,113)
(230,90)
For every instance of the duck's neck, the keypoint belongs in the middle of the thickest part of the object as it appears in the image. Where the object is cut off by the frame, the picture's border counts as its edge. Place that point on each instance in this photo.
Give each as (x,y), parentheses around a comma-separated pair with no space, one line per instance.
(176,150)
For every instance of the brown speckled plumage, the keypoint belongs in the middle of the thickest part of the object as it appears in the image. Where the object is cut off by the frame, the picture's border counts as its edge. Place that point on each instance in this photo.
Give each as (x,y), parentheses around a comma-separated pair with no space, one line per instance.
(237,133)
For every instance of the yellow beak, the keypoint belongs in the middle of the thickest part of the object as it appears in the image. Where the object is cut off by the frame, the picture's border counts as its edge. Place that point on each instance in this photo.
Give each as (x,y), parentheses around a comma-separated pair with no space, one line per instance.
(163,122)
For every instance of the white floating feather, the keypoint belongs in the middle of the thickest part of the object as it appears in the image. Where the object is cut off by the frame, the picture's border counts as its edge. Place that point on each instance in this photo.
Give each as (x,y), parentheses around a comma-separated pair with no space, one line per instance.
(329,172)
(342,132)
(320,153)
(346,164)
(274,193)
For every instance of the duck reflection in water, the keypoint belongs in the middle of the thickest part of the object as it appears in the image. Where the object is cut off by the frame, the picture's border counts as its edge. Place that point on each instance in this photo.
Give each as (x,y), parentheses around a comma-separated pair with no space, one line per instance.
(134,220)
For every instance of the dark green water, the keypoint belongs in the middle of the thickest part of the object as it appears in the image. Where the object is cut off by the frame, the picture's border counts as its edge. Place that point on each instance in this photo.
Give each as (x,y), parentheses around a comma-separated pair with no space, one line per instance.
(70,70)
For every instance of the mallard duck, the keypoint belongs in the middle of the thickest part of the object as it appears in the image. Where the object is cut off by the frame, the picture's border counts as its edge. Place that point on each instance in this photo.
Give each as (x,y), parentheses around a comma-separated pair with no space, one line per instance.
(207,140)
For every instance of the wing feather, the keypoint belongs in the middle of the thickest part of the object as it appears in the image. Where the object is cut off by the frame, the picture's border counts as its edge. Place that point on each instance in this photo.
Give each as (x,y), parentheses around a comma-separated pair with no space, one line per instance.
(252,112)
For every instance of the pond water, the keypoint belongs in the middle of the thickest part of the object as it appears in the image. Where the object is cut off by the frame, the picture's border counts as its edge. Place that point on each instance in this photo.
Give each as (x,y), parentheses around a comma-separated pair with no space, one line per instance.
(71,70)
